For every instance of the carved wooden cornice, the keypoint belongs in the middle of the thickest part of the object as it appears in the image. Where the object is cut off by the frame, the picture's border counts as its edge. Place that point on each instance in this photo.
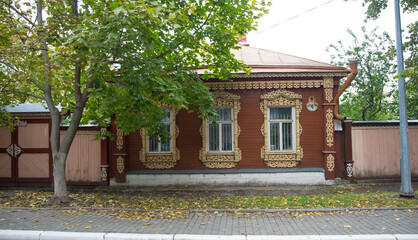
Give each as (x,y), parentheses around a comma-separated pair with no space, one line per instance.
(265,85)
(290,74)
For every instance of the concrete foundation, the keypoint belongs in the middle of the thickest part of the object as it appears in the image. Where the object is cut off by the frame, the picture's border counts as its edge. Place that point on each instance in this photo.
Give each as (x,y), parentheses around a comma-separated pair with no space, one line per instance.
(248,177)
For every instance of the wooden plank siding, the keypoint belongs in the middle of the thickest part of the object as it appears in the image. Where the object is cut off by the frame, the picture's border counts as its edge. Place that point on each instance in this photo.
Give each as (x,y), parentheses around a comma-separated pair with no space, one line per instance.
(376,152)
(84,158)
(250,141)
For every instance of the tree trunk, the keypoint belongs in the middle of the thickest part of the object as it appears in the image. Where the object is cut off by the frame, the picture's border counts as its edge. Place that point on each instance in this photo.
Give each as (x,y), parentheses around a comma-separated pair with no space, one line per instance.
(60,183)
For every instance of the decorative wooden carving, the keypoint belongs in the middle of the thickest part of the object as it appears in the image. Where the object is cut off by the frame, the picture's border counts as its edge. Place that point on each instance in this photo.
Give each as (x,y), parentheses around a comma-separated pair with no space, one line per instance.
(264,85)
(281,98)
(119,139)
(120,164)
(222,160)
(161,160)
(349,169)
(330,163)
(295,74)
(330,128)
(19,123)
(328,87)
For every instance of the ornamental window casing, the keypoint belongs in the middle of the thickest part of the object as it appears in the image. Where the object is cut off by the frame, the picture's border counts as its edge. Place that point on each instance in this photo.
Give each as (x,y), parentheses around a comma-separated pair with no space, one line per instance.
(280,157)
(220,134)
(281,129)
(222,156)
(156,154)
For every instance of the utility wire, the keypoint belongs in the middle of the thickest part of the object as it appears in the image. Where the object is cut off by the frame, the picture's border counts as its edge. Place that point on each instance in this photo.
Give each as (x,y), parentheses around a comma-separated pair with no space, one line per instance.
(289,19)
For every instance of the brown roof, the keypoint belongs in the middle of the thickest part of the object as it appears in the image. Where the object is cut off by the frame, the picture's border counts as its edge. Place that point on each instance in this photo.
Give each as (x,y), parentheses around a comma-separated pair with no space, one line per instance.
(266,61)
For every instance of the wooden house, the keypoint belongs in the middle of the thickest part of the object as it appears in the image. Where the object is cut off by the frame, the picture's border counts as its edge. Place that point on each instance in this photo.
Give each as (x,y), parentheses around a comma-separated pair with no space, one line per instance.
(277,125)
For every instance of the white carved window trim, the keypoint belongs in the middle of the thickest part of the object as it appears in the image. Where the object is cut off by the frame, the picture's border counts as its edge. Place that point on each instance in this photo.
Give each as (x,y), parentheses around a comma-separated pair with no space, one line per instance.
(161,160)
(281,121)
(281,98)
(222,159)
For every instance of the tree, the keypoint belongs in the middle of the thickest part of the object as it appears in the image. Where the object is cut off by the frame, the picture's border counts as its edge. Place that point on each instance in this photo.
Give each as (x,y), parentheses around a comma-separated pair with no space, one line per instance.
(368,97)
(374,9)
(118,58)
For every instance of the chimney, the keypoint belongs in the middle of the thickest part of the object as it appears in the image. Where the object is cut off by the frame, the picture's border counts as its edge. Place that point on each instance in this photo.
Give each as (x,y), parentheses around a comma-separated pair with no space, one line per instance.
(242,39)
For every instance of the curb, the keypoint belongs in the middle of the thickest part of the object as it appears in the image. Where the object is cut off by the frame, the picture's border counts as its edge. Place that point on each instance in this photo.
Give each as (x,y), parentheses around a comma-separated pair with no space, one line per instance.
(224,210)
(49,235)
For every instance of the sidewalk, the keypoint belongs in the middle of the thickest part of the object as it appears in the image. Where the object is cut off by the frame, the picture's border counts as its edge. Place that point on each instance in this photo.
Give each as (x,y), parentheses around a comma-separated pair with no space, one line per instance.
(222,224)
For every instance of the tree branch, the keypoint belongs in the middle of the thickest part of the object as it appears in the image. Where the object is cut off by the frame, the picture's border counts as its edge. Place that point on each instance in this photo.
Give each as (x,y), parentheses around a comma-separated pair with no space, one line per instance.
(184,40)
(19,13)
(10,66)
(24,93)
(17,70)
(363,114)
(37,85)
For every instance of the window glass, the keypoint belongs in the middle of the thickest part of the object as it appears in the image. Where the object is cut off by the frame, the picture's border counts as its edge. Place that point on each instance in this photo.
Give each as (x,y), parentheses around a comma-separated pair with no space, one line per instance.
(227,137)
(277,113)
(167,113)
(287,136)
(165,145)
(274,136)
(220,133)
(224,114)
(281,128)
(213,137)
(155,144)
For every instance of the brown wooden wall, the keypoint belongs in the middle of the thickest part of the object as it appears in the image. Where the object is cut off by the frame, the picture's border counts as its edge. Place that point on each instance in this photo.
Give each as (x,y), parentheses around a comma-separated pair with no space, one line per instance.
(376,152)
(250,120)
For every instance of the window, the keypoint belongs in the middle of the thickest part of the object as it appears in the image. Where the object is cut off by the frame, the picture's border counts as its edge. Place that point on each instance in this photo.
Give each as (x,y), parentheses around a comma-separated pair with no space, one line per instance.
(157,153)
(281,128)
(220,139)
(156,145)
(220,134)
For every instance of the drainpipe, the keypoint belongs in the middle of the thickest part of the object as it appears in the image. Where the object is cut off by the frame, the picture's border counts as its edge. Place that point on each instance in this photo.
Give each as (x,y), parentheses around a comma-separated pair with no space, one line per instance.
(353,74)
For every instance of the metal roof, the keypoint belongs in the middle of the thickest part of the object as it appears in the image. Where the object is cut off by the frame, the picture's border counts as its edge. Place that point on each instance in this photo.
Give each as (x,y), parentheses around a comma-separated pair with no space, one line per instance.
(266,61)
(29,108)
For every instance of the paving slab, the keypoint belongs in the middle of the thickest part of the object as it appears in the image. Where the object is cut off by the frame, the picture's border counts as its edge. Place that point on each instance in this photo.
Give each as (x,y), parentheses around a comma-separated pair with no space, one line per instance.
(397,224)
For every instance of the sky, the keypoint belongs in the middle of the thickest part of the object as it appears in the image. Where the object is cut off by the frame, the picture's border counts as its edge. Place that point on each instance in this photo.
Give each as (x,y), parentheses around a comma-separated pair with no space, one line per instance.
(291,27)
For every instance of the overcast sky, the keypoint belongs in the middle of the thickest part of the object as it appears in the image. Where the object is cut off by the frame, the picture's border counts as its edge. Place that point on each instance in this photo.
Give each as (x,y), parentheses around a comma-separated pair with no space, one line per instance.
(305,28)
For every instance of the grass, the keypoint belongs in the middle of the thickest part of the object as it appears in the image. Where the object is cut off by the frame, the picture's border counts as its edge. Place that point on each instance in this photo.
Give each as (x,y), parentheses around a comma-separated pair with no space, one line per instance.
(344,198)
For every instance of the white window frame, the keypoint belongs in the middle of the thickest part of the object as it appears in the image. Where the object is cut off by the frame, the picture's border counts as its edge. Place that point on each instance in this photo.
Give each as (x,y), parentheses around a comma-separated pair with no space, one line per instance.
(281,121)
(170,123)
(220,123)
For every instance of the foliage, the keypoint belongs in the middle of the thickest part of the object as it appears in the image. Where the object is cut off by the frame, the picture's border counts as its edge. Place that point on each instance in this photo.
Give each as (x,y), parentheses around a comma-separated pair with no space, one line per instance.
(374,8)
(118,58)
(348,197)
(369,96)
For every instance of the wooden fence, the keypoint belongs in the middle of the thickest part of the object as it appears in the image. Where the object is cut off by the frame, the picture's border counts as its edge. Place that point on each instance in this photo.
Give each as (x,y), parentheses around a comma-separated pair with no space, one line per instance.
(25,155)
(84,158)
(376,149)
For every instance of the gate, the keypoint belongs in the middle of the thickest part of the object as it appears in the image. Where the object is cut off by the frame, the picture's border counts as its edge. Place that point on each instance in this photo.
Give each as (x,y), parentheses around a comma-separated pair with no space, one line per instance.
(25,153)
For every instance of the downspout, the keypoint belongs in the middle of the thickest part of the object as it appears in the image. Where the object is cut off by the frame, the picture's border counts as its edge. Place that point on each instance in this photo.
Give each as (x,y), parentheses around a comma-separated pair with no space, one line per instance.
(353,74)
